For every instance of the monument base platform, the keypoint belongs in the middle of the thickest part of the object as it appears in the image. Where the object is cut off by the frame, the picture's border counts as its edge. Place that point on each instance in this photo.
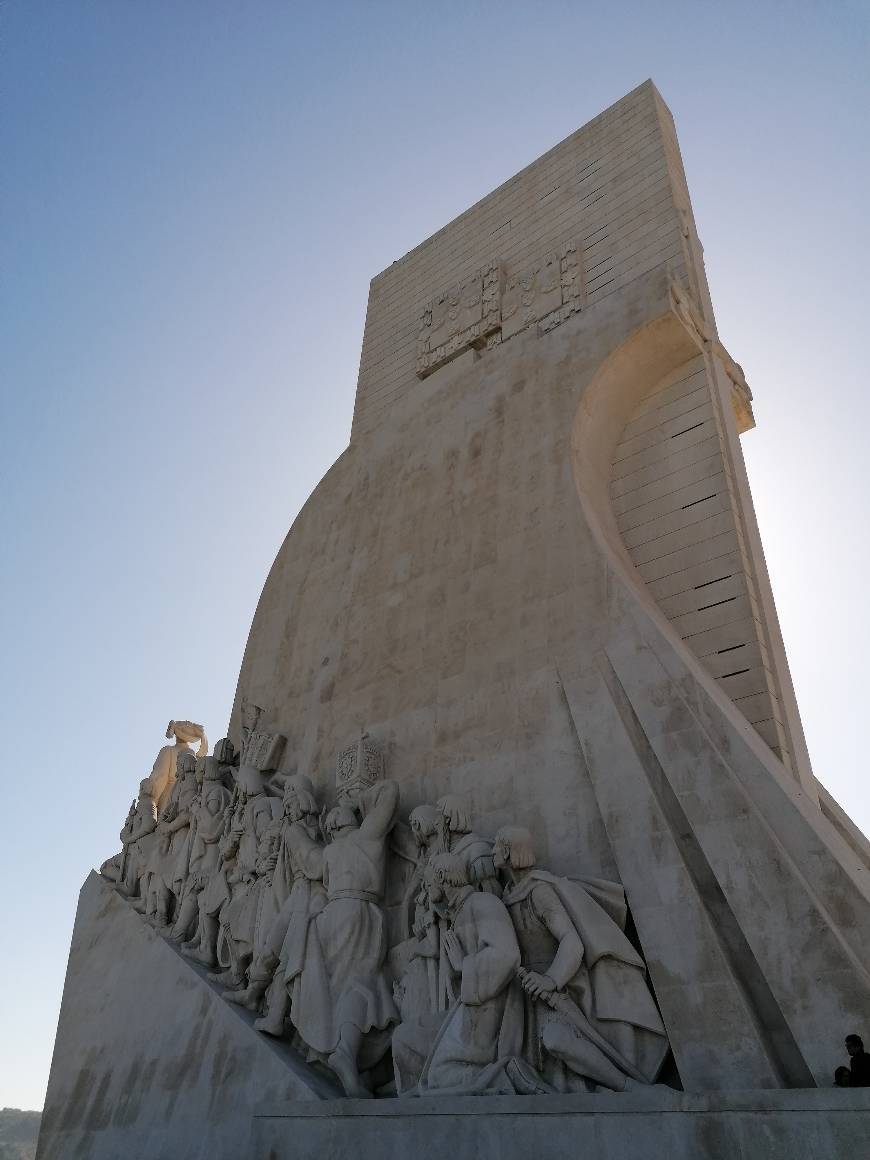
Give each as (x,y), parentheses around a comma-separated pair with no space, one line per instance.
(644,1125)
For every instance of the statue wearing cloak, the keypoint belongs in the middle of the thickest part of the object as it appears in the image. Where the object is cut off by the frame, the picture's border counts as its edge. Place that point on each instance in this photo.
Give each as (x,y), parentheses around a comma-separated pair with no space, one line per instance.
(588,1016)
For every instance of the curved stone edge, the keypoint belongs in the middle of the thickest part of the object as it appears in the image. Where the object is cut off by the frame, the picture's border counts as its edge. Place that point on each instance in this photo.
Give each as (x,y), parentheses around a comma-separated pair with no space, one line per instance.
(731,869)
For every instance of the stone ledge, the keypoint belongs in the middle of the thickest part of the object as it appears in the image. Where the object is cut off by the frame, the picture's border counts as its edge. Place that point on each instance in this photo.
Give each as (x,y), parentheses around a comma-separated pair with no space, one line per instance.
(651,1102)
(825,1124)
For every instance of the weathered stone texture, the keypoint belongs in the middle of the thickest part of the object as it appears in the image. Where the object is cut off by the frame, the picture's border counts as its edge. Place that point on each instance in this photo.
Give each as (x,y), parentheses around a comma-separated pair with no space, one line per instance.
(149,1062)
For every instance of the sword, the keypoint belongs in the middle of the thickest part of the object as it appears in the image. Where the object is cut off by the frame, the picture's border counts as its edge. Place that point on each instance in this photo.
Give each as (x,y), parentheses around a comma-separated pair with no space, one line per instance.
(571,1014)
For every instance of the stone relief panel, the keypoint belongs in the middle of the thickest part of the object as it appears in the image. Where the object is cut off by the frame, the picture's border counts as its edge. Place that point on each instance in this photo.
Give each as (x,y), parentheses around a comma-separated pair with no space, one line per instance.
(548,293)
(486,309)
(459,318)
(403,958)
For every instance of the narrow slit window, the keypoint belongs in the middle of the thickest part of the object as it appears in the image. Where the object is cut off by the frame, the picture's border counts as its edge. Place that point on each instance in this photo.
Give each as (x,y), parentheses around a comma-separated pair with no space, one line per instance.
(716,603)
(707,583)
(702,500)
(694,427)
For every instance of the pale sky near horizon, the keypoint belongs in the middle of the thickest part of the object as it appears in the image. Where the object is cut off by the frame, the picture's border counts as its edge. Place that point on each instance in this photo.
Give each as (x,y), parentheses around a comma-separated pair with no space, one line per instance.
(194,198)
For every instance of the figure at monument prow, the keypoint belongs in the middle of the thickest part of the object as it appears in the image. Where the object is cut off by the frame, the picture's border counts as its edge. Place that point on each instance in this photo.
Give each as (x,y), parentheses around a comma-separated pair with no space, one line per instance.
(162,776)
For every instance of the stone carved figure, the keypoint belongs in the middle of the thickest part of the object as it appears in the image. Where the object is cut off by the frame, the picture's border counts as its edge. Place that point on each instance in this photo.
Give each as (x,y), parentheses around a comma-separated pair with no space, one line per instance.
(136,843)
(162,776)
(484,956)
(295,895)
(243,887)
(225,753)
(205,889)
(304,852)
(458,838)
(524,985)
(421,988)
(168,864)
(342,1006)
(249,857)
(425,823)
(588,1016)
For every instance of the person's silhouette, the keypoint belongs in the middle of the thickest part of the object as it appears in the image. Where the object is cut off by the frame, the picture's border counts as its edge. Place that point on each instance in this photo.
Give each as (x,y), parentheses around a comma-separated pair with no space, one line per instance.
(859,1061)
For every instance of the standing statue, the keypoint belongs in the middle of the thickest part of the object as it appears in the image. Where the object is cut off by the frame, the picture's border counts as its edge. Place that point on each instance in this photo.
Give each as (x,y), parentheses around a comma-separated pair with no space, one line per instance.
(205,890)
(425,823)
(307,899)
(424,938)
(162,776)
(458,838)
(168,865)
(249,857)
(296,895)
(419,963)
(341,1002)
(589,1018)
(137,842)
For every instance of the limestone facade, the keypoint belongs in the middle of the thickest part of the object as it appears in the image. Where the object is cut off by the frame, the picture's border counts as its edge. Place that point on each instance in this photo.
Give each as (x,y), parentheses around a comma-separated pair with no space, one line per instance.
(515,690)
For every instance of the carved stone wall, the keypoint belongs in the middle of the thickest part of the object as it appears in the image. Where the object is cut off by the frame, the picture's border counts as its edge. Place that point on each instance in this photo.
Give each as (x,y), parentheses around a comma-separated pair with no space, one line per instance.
(457,319)
(488,308)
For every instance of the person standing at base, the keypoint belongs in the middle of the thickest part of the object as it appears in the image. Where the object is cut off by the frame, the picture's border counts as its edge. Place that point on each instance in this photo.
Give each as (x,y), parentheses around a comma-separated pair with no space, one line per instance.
(859,1061)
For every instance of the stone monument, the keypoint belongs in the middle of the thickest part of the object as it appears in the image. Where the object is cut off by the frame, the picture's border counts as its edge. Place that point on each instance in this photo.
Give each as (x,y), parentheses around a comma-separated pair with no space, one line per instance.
(513,847)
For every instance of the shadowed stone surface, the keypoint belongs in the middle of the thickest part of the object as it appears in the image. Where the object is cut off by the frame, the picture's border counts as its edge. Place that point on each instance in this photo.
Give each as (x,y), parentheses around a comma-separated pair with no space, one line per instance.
(149,1061)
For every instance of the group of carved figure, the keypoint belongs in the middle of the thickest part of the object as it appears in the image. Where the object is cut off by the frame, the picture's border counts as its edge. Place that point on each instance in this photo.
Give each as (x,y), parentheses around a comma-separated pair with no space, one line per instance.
(407,959)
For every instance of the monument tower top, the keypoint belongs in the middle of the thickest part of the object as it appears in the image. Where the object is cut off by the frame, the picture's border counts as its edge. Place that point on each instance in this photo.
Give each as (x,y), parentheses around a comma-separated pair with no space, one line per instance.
(614,190)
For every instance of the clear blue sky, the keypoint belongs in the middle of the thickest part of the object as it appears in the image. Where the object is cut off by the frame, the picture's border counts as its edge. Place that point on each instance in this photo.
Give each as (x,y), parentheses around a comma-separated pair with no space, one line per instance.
(194,198)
